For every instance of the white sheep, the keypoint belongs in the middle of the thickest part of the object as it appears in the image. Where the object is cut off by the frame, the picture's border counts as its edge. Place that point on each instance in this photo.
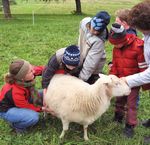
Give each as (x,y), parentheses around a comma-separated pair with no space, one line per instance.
(74,100)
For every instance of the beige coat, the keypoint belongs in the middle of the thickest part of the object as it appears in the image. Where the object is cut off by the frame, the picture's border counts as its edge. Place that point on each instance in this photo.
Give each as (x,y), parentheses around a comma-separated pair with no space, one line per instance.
(92,50)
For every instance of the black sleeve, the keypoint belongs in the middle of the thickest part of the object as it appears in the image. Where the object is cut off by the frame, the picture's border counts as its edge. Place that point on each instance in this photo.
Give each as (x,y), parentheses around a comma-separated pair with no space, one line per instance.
(49,71)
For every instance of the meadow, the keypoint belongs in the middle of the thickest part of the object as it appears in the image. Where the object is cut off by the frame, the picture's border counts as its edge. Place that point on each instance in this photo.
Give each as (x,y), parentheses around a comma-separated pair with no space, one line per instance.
(56,26)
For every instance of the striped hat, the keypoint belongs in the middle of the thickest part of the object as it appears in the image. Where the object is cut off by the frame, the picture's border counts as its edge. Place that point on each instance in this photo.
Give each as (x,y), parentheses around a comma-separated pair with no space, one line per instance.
(71,55)
(100,21)
(117,34)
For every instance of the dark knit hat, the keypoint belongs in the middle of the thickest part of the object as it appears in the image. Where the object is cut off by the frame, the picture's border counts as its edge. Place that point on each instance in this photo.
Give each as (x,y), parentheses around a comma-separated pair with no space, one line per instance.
(117,34)
(100,21)
(71,55)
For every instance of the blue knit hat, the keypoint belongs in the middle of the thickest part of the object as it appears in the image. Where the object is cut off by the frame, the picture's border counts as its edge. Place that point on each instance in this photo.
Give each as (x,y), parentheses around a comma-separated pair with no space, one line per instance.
(100,21)
(71,55)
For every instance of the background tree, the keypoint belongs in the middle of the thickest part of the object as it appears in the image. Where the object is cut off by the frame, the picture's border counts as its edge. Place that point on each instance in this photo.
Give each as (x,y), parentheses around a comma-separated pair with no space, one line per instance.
(78,7)
(6,9)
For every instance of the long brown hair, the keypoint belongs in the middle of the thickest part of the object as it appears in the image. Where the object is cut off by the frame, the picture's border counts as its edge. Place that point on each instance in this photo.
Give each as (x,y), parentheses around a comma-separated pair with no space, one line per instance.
(14,68)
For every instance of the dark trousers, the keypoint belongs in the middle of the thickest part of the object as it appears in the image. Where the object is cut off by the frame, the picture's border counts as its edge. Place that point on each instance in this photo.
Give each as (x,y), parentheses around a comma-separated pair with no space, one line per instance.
(93,78)
(127,105)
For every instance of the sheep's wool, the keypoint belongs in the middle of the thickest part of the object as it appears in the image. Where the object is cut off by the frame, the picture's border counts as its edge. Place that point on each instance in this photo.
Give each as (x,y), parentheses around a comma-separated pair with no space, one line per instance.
(77,101)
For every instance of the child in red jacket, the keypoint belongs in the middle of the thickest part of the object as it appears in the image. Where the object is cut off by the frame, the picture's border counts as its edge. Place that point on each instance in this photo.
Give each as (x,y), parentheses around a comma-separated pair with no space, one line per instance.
(128,59)
(16,96)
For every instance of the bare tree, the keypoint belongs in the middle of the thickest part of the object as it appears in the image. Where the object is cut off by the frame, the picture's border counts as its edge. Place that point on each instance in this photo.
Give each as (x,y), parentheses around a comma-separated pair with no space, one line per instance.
(6,8)
(78,7)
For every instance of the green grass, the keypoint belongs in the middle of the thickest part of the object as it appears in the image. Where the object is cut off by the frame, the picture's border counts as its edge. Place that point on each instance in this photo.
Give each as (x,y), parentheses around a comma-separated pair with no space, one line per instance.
(55,27)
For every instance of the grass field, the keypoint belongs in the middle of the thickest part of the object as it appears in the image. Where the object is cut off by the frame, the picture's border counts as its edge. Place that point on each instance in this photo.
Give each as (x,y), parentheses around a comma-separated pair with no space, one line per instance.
(56,26)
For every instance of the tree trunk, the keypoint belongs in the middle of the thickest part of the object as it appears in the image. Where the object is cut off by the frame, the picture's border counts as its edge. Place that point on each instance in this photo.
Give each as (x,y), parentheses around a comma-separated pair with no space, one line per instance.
(6,9)
(78,7)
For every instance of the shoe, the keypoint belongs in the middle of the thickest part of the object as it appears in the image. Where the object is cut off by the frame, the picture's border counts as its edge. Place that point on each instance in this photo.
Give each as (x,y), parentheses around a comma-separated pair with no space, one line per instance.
(147,140)
(18,131)
(118,117)
(128,131)
(146,123)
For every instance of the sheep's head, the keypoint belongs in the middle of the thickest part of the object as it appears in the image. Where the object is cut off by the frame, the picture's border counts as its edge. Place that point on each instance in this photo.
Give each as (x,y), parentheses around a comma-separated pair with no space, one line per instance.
(115,85)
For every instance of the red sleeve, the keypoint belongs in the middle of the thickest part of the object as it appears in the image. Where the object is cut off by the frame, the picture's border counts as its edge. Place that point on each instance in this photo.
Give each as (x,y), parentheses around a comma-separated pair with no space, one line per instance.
(38,70)
(141,60)
(142,64)
(21,101)
(60,71)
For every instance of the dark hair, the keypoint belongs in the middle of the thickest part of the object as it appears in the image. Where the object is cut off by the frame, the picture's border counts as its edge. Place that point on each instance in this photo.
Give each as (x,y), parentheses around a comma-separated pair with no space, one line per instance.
(139,16)
(14,68)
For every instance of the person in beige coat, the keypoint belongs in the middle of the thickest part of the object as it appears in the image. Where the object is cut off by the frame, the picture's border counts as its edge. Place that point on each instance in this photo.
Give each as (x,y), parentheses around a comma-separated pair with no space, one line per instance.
(92,36)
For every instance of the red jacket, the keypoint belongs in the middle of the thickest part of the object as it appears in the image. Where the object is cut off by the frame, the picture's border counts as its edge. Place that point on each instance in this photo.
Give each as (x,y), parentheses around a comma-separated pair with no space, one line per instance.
(129,59)
(14,95)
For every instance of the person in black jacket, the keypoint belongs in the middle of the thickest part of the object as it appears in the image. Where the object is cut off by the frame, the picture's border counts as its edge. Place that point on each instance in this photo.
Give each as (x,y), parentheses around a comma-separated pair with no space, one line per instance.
(64,61)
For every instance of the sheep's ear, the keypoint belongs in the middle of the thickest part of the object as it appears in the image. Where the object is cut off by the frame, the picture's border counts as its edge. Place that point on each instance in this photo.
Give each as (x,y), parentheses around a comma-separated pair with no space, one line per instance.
(105,78)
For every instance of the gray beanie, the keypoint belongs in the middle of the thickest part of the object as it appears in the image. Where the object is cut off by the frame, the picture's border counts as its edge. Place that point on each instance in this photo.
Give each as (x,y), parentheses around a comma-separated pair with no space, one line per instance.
(23,70)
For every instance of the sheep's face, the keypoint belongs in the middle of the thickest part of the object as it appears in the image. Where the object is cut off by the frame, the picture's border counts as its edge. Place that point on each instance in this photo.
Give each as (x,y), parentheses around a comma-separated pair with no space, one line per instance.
(116,86)
(119,87)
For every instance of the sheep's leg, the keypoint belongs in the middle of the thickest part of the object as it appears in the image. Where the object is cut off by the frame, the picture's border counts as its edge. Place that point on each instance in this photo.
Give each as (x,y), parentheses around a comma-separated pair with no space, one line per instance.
(65,128)
(85,132)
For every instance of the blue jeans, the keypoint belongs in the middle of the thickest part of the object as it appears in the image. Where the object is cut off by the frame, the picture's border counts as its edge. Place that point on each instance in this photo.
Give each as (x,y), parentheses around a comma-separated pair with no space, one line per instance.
(20,118)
